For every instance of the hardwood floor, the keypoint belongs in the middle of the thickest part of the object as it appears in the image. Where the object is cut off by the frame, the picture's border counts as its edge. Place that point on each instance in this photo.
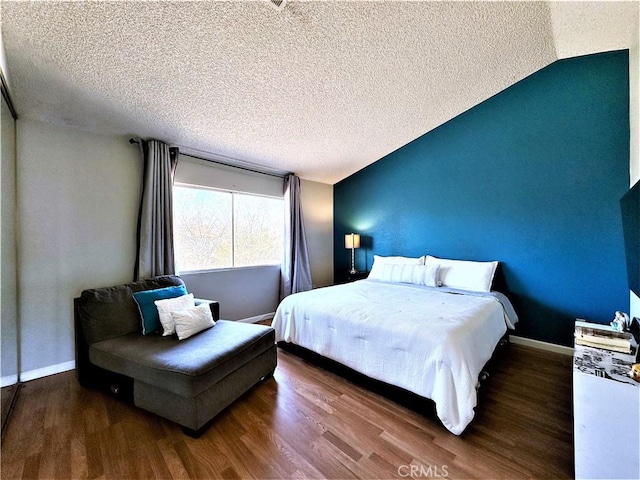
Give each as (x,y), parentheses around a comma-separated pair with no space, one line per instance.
(304,423)
(8,396)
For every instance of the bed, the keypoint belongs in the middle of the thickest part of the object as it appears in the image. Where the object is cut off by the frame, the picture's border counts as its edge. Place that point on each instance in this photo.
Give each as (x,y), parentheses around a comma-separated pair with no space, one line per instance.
(432,341)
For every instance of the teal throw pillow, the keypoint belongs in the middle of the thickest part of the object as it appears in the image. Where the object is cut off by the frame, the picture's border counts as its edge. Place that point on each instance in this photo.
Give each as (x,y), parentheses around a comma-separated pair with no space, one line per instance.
(148,309)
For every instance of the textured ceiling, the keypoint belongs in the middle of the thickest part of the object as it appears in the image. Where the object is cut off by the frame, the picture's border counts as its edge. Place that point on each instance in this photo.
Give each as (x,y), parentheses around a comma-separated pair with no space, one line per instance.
(319,88)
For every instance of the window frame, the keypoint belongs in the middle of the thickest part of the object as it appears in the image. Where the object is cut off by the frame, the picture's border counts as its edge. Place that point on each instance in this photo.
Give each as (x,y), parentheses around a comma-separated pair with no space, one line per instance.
(233,228)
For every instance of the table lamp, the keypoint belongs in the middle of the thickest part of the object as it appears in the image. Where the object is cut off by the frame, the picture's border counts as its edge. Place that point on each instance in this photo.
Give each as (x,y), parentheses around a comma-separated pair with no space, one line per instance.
(352,241)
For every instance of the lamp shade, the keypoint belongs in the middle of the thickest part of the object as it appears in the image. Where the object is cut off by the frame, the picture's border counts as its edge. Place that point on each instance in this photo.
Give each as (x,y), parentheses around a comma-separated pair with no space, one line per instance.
(352,240)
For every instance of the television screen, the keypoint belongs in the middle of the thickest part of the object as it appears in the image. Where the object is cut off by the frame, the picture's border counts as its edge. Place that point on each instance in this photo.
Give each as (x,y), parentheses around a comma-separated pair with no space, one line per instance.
(630,208)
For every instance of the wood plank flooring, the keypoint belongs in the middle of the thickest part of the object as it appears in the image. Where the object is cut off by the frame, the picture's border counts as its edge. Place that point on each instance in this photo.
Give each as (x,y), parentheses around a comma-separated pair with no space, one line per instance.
(305,422)
(8,396)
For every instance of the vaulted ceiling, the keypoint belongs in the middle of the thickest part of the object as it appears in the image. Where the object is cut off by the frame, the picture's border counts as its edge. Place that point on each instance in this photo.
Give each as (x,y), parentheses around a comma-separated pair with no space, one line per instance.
(322,89)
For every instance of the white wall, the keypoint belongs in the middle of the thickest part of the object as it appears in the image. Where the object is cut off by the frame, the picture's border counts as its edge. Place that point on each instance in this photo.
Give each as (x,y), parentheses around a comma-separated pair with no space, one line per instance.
(317,209)
(244,293)
(634,124)
(78,197)
(8,295)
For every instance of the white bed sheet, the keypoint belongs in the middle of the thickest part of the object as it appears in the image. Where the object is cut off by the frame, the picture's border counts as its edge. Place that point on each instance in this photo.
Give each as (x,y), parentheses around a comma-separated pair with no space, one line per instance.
(422,339)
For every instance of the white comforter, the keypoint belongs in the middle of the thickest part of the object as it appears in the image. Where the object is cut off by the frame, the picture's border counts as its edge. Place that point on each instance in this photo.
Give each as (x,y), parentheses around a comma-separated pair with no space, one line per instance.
(422,339)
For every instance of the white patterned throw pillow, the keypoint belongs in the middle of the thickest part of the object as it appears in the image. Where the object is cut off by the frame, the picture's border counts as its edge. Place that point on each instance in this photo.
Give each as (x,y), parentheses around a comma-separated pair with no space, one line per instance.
(192,321)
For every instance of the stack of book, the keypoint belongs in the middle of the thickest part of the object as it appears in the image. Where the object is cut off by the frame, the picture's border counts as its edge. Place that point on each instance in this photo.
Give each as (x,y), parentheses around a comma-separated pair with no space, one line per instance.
(603,336)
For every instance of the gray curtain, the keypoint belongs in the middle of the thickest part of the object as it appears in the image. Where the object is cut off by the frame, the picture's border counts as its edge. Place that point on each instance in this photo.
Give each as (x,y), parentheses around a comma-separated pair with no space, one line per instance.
(295,273)
(154,254)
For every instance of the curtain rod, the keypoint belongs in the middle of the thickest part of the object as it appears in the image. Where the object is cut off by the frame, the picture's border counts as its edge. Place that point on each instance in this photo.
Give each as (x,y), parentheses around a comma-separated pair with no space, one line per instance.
(226,164)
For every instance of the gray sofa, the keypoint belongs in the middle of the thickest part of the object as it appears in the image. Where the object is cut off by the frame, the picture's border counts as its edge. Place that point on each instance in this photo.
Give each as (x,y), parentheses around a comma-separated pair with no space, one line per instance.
(188,381)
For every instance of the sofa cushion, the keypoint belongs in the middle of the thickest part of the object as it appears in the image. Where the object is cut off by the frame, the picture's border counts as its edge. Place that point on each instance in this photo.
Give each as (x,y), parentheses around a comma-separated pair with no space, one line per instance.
(186,367)
(148,310)
(111,312)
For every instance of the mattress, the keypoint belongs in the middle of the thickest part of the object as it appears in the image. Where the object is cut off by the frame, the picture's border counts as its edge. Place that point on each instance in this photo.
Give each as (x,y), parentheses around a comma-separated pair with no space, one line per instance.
(430,341)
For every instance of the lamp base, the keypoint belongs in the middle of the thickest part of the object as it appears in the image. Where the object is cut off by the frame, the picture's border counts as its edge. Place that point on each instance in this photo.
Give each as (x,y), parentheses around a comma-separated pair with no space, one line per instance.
(353,263)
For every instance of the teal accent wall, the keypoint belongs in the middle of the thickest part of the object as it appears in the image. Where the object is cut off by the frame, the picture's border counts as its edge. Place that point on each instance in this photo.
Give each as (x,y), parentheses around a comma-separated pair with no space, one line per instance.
(531,177)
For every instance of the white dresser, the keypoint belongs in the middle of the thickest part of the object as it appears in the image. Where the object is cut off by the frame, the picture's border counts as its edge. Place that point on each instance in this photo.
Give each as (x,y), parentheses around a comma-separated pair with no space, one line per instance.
(606,415)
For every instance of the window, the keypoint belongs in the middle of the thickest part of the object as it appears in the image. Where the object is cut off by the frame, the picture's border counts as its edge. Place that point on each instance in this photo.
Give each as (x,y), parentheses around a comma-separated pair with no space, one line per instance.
(220,229)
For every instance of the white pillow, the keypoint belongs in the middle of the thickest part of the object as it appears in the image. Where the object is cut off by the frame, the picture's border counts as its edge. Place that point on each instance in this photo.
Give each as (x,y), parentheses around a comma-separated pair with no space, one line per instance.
(379,263)
(165,307)
(192,321)
(416,274)
(431,276)
(463,274)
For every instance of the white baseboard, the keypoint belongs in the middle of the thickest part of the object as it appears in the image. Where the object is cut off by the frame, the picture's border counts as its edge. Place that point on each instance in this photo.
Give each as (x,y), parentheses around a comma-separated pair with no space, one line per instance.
(258,318)
(46,371)
(8,380)
(550,347)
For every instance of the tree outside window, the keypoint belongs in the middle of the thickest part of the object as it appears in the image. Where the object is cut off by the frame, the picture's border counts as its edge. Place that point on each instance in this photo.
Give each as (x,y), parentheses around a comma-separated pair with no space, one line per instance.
(219,229)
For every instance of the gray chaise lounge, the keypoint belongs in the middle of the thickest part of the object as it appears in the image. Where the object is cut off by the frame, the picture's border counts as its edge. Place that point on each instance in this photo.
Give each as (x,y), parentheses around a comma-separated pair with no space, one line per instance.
(188,381)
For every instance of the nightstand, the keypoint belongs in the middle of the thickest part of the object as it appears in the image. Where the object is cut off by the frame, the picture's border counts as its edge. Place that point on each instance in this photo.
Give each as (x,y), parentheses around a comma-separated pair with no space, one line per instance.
(347,277)
(352,277)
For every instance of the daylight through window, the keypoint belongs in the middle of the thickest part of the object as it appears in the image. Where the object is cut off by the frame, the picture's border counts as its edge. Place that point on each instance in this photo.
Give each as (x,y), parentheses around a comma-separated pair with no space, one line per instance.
(220,229)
